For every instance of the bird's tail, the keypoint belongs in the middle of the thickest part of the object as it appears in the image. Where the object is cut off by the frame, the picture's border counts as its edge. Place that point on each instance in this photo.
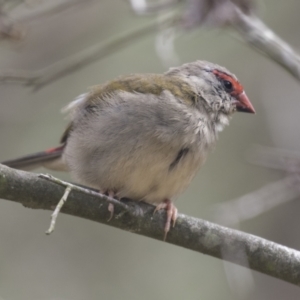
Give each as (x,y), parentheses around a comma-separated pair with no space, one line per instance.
(50,159)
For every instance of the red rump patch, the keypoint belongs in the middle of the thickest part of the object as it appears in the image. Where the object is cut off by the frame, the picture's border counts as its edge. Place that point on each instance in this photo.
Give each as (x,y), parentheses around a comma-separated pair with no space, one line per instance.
(237,87)
(56,149)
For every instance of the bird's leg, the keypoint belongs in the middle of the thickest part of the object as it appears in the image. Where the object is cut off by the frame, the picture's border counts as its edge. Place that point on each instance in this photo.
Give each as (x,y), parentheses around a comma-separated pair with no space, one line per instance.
(171,211)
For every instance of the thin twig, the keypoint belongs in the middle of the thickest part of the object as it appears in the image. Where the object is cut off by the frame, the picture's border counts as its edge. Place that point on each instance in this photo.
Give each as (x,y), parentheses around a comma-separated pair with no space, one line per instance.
(57,209)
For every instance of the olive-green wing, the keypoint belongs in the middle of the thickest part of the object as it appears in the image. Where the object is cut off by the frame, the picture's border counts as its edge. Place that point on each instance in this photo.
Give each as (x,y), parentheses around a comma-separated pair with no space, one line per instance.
(136,83)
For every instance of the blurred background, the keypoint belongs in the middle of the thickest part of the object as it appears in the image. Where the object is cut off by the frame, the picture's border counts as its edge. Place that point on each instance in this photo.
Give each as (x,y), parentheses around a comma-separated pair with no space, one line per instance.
(86,260)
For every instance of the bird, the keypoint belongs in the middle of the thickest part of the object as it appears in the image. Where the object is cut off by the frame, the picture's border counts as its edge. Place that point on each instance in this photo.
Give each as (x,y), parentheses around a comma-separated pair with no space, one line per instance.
(145,136)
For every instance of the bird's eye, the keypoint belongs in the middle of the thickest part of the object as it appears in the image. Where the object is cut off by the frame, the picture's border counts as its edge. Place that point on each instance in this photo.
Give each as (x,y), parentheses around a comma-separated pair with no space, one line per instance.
(228,85)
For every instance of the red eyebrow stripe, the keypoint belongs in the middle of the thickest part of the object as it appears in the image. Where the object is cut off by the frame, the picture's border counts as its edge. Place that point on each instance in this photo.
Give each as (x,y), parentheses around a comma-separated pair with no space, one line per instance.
(237,87)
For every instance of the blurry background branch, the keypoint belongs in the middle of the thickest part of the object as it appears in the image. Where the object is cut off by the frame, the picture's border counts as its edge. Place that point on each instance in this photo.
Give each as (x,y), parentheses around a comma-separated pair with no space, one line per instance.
(62,68)
(191,233)
(249,206)
(142,7)
(14,14)
(240,14)
(257,34)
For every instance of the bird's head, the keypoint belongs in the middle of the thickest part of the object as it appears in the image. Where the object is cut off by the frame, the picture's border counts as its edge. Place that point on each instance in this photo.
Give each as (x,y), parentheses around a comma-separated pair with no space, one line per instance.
(218,88)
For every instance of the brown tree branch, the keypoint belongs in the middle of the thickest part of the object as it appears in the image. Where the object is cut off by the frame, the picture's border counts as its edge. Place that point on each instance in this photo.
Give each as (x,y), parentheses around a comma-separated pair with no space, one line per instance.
(191,233)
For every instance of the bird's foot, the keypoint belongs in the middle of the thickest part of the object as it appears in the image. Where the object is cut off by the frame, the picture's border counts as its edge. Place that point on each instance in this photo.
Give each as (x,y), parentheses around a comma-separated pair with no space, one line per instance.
(110,207)
(171,214)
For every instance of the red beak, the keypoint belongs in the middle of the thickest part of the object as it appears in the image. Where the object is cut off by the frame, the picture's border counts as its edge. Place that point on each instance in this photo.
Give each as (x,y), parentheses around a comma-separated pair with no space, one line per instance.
(243,104)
